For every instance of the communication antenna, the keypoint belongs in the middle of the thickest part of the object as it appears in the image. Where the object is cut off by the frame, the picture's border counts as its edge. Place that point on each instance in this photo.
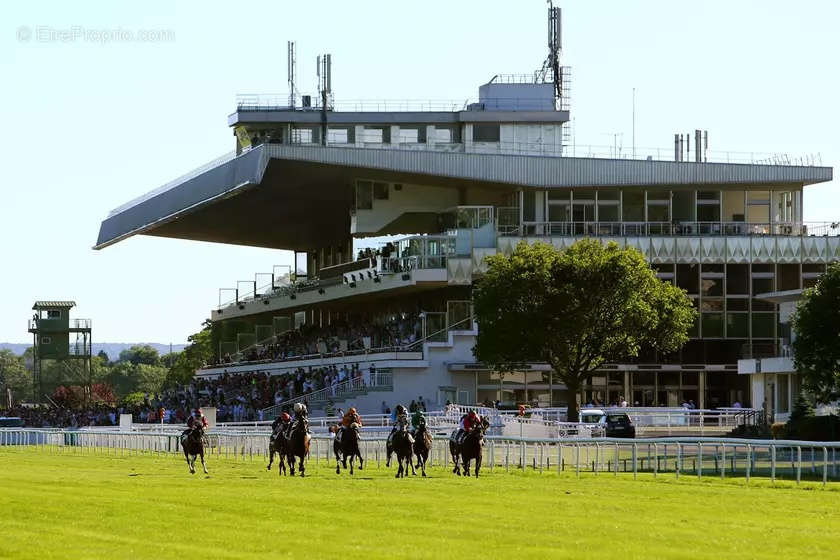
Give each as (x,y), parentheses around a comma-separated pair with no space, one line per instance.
(324,70)
(551,67)
(291,64)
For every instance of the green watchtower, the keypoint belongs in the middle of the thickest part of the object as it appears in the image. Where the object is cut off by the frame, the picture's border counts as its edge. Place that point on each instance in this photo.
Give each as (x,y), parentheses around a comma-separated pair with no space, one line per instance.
(57,338)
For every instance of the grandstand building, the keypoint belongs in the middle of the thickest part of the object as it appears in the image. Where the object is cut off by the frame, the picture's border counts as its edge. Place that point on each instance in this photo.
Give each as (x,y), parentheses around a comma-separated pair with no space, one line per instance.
(452,185)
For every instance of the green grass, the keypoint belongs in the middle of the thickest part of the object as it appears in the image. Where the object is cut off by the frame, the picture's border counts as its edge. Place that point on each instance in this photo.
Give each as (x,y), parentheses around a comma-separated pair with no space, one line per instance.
(97,506)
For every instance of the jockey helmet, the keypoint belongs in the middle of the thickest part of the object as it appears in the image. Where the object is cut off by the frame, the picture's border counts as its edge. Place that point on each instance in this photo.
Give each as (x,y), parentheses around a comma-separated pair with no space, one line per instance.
(285,417)
(473,415)
(197,412)
(400,409)
(298,407)
(352,410)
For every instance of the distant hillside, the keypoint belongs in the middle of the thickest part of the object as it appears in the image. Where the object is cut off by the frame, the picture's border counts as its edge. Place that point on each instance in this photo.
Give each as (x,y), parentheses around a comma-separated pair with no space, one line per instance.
(113,349)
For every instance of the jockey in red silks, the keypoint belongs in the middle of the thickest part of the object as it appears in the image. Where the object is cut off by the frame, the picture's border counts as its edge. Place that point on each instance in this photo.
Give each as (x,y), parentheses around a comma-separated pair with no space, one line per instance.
(468,422)
(197,420)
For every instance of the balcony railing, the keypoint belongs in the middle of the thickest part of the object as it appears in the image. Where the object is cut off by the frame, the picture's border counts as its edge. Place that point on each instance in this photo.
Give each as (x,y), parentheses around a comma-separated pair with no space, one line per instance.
(646,229)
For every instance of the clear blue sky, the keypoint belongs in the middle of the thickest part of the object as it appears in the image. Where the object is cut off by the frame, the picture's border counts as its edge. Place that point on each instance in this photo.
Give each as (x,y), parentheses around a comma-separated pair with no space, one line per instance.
(90,126)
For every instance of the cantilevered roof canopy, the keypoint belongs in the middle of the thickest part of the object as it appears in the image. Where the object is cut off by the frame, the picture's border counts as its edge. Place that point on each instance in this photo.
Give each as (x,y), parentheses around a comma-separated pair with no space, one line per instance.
(298,197)
(53,305)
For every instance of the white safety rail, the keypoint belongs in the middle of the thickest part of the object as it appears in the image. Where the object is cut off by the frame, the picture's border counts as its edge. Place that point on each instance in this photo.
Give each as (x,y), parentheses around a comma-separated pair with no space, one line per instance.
(698,457)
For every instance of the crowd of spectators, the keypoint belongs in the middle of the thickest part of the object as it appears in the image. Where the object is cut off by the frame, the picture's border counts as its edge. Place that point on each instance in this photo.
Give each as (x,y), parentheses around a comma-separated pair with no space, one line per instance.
(344,336)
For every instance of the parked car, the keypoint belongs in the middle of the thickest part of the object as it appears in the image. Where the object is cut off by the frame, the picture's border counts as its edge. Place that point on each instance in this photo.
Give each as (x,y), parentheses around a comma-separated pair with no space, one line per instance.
(614,424)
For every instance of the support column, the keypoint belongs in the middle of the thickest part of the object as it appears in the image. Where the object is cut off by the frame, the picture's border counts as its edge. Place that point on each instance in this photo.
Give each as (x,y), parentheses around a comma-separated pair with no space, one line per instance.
(395,135)
(359,134)
(701,389)
(628,396)
(430,136)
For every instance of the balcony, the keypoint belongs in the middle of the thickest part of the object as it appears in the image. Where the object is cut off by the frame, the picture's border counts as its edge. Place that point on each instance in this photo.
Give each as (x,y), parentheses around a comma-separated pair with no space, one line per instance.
(670,229)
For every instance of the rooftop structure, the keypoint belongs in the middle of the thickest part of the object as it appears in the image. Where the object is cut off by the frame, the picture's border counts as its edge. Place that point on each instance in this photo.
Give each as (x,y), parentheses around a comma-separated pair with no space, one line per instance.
(460,182)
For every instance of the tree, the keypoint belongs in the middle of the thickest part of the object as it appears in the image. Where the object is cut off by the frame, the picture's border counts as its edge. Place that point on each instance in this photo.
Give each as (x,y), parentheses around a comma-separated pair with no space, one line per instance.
(575,309)
(198,352)
(126,378)
(15,376)
(140,354)
(816,347)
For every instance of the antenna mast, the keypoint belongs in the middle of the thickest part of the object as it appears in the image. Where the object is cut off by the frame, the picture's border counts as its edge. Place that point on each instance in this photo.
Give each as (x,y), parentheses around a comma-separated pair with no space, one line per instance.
(291,64)
(551,67)
(324,70)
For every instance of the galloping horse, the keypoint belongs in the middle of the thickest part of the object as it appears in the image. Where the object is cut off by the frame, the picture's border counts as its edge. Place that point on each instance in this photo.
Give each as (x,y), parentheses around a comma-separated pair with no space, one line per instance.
(347,446)
(277,444)
(422,446)
(192,442)
(297,445)
(470,448)
(402,444)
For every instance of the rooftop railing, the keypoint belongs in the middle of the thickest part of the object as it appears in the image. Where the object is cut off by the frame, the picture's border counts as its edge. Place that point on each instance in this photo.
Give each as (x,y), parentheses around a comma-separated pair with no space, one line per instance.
(647,229)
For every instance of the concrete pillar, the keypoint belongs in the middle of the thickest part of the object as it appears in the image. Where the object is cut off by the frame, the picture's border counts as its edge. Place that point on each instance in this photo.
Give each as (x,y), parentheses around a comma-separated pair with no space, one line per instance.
(466,137)
(395,134)
(359,130)
(701,389)
(430,138)
(628,396)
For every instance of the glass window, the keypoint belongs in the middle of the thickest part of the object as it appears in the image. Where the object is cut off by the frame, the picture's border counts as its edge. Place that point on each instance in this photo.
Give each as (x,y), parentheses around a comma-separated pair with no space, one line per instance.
(608,213)
(380,191)
(584,195)
(708,195)
(683,206)
(558,213)
(733,206)
(737,325)
(711,304)
(708,213)
(658,212)
(529,205)
(485,132)
(787,276)
(763,325)
(688,278)
(659,195)
(737,304)
(364,195)
(762,285)
(782,389)
(712,325)
(559,194)
(634,206)
(737,279)
(608,195)
(711,286)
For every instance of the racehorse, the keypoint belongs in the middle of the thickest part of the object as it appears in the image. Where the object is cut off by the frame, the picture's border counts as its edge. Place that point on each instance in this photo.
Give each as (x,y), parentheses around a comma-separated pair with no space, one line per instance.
(422,446)
(297,445)
(192,442)
(470,448)
(347,446)
(402,445)
(277,444)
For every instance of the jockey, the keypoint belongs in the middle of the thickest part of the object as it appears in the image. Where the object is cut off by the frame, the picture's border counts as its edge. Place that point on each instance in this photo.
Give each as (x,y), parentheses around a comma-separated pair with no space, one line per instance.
(300,416)
(418,419)
(468,422)
(281,422)
(351,416)
(400,418)
(197,420)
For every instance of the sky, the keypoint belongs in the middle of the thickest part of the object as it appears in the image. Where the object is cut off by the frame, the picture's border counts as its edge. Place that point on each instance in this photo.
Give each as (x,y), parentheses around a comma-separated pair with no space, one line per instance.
(96,117)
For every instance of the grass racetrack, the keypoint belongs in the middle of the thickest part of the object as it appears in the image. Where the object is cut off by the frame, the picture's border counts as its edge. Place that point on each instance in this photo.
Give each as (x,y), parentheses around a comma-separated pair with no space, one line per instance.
(68,505)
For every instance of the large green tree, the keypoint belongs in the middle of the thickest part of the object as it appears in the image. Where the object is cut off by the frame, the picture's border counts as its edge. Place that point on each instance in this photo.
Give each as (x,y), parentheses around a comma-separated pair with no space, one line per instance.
(140,354)
(816,347)
(15,376)
(575,309)
(198,352)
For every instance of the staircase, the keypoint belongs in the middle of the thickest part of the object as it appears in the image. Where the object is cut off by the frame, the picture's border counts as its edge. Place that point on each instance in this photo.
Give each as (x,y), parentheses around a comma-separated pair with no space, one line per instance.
(346,390)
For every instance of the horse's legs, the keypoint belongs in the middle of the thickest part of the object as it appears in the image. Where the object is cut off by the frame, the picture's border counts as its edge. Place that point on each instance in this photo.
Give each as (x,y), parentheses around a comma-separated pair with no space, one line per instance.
(352,459)
(337,461)
(203,464)
(477,464)
(302,469)
(270,457)
(291,459)
(466,471)
(187,457)
(359,455)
